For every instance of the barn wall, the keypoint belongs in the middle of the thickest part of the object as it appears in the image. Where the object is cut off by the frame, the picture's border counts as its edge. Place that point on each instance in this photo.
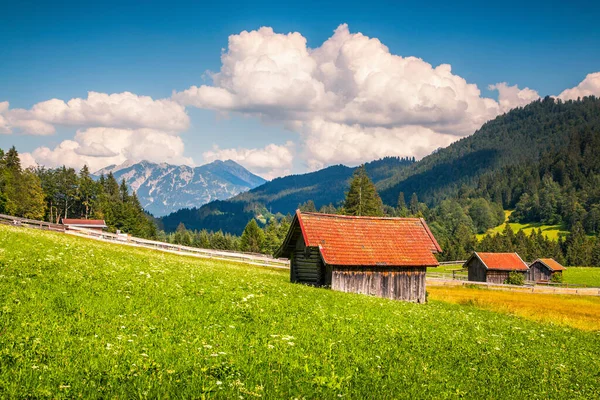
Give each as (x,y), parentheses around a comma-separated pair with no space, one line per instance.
(392,283)
(476,270)
(306,265)
(539,272)
(497,276)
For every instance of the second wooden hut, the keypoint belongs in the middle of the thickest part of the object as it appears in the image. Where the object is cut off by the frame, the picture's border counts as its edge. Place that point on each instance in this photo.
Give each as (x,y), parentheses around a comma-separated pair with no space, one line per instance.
(543,269)
(494,267)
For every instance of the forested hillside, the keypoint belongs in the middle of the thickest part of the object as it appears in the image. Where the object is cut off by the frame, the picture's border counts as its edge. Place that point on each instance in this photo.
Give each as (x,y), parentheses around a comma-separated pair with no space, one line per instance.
(521,135)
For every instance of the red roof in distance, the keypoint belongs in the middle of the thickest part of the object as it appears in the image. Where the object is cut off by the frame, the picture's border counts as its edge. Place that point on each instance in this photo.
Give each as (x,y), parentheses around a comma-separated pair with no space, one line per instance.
(83,222)
(551,263)
(502,261)
(369,241)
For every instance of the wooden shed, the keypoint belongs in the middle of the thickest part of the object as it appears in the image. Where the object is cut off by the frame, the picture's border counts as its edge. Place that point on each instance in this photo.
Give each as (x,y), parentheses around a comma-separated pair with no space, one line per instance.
(543,269)
(94,224)
(385,257)
(494,267)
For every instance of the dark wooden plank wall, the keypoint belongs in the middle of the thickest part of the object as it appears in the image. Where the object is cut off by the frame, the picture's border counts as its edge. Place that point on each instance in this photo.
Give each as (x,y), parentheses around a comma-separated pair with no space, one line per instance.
(306,265)
(539,272)
(497,276)
(392,283)
(477,271)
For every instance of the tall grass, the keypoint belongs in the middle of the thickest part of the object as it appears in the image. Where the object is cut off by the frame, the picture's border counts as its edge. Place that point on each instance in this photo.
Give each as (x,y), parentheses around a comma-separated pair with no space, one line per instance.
(581,312)
(86,319)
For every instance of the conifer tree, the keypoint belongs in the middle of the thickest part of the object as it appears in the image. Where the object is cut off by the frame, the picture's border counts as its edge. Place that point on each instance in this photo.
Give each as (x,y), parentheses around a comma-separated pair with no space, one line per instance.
(252,238)
(362,198)
(401,201)
(414,204)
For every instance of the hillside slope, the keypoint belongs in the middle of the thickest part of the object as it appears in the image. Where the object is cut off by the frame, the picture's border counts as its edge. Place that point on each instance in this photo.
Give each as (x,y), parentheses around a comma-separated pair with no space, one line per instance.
(521,135)
(93,320)
(164,188)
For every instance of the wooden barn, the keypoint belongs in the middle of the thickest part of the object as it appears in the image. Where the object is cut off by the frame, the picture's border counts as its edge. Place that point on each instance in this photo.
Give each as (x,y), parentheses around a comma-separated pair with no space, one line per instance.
(494,267)
(94,224)
(385,257)
(543,269)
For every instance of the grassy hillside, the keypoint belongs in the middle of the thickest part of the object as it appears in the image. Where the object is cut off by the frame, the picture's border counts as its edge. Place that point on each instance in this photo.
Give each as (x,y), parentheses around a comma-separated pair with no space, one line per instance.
(549,231)
(87,319)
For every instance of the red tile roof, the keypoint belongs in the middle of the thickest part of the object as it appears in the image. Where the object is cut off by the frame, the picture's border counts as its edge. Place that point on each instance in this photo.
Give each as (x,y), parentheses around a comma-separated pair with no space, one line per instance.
(502,261)
(84,222)
(551,263)
(368,241)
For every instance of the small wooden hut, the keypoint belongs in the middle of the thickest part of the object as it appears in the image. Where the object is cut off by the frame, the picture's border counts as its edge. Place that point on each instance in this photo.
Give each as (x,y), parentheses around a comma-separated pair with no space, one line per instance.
(494,267)
(543,269)
(93,224)
(385,257)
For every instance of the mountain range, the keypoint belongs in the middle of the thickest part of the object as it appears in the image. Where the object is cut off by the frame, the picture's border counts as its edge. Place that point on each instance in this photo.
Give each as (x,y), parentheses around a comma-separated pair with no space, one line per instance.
(520,136)
(164,188)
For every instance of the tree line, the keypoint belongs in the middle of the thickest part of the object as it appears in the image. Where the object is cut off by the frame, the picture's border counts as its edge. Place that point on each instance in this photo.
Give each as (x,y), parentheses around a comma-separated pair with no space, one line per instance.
(52,194)
(455,223)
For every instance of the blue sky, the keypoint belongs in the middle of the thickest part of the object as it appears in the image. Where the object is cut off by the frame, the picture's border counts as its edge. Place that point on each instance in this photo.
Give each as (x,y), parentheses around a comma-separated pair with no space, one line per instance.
(63,50)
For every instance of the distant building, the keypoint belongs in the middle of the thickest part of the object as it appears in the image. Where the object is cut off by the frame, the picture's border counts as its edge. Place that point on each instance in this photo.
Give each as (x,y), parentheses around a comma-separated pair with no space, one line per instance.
(385,257)
(494,267)
(94,224)
(543,269)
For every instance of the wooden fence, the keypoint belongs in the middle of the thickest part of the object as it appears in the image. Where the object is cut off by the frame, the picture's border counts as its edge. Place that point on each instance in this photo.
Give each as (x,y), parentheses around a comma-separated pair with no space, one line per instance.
(124,239)
(540,289)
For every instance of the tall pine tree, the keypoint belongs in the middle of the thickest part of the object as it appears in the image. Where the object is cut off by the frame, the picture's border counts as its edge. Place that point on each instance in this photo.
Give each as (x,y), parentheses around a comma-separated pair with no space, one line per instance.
(362,198)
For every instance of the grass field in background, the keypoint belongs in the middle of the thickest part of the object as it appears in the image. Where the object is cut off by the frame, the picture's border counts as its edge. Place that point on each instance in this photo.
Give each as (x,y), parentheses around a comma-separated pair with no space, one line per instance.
(80,318)
(549,231)
(581,312)
(589,276)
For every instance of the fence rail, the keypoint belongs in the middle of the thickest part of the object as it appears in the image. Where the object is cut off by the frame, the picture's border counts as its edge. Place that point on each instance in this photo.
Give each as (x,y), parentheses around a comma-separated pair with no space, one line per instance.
(223,255)
(539,289)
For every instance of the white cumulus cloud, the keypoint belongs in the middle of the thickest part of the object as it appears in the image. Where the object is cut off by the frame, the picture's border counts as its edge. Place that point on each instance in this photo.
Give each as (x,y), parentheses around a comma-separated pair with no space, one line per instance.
(590,86)
(99,147)
(270,161)
(511,97)
(351,91)
(117,110)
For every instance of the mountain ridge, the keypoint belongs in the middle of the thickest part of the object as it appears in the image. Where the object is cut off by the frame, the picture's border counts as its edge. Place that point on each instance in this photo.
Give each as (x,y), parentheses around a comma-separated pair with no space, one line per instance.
(163,188)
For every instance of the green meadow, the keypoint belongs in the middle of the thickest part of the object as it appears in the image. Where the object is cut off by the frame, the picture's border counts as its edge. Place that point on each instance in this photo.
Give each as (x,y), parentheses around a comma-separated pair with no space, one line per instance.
(549,231)
(85,319)
(588,276)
